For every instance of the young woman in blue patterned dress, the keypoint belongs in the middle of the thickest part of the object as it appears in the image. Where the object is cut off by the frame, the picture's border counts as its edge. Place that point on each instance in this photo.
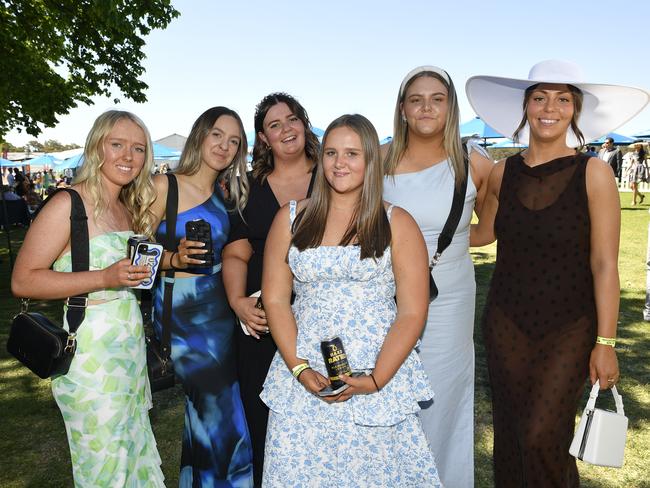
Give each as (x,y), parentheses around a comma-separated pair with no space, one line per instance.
(216,445)
(347,255)
(104,398)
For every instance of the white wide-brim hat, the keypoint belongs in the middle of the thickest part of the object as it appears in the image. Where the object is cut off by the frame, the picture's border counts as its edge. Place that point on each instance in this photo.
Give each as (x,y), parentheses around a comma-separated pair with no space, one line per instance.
(499,101)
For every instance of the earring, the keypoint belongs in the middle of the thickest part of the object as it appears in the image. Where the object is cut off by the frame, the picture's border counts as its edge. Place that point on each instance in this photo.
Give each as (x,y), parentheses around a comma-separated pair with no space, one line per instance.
(403,117)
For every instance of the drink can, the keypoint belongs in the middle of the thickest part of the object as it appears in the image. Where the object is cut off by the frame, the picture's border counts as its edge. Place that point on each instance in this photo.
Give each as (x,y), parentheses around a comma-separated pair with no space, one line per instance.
(133,242)
(336,361)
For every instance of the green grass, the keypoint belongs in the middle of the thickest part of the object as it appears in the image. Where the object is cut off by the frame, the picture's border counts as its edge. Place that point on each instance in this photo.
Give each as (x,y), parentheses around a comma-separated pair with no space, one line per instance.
(32,436)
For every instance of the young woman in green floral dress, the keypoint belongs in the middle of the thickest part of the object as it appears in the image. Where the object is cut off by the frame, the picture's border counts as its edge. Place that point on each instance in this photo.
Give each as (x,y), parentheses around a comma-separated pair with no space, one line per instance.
(105,397)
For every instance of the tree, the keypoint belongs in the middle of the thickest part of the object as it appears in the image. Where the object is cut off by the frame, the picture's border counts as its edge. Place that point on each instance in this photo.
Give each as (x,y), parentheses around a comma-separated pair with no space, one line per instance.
(57,54)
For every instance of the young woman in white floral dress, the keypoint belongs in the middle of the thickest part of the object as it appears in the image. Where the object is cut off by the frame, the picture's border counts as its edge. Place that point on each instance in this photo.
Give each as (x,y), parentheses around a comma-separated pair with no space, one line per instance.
(347,255)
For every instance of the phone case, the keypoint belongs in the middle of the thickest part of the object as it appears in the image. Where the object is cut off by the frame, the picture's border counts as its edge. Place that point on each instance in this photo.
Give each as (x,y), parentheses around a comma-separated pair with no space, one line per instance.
(148,254)
(200,230)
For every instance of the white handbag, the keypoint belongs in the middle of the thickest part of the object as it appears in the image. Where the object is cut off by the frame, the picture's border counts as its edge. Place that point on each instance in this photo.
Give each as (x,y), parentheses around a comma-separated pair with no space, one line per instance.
(600,436)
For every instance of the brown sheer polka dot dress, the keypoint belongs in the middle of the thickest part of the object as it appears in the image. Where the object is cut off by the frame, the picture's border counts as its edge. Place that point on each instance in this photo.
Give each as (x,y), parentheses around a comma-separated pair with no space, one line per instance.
(540,320)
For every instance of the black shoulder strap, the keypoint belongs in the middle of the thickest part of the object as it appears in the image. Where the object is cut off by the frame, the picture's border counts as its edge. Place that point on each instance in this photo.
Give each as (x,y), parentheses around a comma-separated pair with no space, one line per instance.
(455,213)
(171,213)
(312,180)
(80,253)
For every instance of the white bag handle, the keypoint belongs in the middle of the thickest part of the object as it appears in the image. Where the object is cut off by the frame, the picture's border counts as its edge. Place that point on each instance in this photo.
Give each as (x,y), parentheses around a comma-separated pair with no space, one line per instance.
(618,399)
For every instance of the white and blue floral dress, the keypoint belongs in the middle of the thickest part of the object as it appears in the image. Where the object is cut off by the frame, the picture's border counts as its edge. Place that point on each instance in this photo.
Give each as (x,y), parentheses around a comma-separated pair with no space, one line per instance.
(371,440)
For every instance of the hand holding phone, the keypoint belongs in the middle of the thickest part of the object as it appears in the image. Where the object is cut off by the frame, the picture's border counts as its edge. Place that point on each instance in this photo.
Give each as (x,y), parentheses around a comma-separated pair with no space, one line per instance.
(147,254)
(200,231)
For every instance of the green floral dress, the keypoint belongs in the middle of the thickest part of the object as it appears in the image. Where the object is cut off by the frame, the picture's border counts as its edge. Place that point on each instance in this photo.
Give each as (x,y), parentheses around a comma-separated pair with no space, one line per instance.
(105,397)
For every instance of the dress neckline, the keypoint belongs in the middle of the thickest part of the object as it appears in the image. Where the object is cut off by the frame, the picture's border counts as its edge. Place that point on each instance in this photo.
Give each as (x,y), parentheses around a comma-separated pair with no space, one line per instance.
(444,162)
(546,168)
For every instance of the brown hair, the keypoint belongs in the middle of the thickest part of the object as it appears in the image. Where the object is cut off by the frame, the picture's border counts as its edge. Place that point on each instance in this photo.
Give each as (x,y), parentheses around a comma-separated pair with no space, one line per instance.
(263,162)
(577,108)
(369,225)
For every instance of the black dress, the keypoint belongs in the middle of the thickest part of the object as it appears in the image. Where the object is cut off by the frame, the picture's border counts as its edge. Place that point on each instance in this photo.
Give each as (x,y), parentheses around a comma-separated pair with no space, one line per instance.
(540,320)
(254,356)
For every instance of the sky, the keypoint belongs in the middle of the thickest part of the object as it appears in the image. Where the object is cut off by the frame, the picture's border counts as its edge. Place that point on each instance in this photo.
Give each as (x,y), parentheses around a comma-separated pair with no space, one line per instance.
(349,56)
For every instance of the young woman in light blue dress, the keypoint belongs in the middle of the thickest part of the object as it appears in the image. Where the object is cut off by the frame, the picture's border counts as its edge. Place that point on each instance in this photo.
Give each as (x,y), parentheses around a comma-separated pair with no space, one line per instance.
(423,164)
(347,256)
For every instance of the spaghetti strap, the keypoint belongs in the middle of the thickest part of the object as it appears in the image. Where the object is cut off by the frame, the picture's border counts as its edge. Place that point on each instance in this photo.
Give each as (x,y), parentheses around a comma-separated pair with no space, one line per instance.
(292,212)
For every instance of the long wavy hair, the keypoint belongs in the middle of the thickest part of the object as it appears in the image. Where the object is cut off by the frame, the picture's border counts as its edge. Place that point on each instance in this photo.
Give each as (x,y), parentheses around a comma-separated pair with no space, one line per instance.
(139,194)
(263,162)
(369,225)
(577,109)
(235,174)
(451,137)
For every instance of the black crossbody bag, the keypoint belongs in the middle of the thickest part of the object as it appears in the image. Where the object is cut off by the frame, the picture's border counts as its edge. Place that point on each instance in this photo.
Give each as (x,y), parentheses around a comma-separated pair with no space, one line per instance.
(37,342)
(447,234)
(160,367)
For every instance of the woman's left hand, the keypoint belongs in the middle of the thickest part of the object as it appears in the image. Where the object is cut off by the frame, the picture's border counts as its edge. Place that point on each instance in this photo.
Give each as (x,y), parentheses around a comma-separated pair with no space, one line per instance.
(359,385)
(603,366)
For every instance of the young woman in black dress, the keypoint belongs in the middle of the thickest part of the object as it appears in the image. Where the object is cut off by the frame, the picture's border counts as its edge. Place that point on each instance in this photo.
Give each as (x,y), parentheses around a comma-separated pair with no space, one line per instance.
(284,156)
(551,314)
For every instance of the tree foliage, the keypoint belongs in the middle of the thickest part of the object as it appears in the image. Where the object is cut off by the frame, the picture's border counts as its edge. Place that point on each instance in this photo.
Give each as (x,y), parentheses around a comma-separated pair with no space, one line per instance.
(59,53)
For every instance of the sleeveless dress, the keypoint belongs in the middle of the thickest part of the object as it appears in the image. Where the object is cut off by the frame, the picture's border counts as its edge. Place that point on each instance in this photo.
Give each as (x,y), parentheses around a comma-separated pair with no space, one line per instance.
(216,446)
(371,440)
(254,356)
(105,397)
(540,320)
(447,346)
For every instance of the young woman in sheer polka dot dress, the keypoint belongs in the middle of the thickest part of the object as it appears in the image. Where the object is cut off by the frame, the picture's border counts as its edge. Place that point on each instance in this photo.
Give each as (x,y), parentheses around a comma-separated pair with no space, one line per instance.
(555,289)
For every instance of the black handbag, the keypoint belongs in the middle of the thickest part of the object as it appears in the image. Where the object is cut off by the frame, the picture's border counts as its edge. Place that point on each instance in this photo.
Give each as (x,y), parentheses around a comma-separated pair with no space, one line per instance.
(160,367)
(41,345)
(447,233)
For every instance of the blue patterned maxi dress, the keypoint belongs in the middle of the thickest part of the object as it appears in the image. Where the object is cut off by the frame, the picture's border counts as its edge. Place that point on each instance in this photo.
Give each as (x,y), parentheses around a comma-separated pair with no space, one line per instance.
(216,445)
(371,440)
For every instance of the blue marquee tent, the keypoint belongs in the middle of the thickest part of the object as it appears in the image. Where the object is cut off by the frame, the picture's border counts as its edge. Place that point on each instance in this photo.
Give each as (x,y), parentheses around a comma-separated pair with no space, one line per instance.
(618,139)
(477,127)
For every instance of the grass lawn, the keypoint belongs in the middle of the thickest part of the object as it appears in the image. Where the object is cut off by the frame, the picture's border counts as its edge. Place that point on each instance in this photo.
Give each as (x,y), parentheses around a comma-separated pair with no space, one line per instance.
(32,436)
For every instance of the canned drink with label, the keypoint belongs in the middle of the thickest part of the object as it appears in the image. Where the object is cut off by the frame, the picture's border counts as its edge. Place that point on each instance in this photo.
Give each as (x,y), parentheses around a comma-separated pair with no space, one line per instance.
(133,242)
(336,361)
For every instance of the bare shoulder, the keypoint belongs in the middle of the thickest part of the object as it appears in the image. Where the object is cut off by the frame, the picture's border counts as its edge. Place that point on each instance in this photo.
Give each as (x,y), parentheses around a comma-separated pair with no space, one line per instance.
(597,169)
(400,219)
(480,163)
(58,207)
(160,183)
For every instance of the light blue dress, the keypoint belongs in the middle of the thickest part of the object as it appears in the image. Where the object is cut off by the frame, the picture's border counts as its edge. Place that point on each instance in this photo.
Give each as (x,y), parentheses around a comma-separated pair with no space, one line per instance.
(447,345)
(371,440)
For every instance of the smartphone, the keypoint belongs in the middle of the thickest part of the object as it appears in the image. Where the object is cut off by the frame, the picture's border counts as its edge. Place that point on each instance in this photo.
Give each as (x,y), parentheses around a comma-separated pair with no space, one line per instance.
(147,254)
(327,391)
(199,230)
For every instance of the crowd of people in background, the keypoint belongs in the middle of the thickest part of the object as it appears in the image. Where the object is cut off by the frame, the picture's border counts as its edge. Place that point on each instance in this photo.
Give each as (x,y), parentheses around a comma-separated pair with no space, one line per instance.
(335,240)
(33,187)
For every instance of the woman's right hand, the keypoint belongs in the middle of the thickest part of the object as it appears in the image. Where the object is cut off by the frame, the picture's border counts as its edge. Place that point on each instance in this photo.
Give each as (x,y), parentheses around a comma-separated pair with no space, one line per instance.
(253,318)
(122,273)
(314,382)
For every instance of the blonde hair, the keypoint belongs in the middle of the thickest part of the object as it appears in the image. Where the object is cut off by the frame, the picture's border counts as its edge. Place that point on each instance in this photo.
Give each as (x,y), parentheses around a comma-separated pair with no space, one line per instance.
(139,194)
(451,137)
(235,173)
(369,225)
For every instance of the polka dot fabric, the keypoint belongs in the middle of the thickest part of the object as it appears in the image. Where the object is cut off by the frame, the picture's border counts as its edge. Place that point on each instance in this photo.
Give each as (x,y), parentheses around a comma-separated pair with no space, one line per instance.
(540,320)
